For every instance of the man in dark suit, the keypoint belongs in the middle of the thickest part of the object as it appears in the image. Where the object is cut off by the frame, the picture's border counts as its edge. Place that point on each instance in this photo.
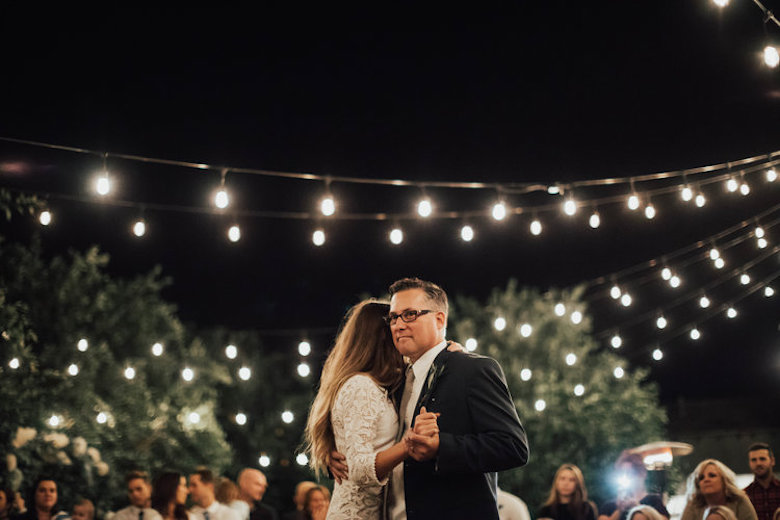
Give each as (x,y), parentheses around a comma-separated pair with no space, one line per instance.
(464,423)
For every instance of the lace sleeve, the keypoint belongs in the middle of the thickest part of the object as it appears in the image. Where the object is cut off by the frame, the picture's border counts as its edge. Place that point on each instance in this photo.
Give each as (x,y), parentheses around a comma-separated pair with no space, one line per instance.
(357,409)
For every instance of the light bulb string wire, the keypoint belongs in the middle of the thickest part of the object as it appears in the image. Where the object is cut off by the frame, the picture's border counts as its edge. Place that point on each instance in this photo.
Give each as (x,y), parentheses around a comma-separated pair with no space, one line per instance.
(690,295)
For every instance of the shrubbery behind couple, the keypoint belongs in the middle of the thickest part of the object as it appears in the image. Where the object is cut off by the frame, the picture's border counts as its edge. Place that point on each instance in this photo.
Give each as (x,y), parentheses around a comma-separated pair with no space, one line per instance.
(423,439)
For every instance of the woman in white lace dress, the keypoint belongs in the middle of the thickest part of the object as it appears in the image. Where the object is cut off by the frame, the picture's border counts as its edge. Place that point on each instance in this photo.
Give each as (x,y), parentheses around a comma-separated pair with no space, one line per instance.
(354,414)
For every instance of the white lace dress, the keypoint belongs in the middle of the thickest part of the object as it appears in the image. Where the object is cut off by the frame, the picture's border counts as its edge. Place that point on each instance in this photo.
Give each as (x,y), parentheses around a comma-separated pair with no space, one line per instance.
(364,423)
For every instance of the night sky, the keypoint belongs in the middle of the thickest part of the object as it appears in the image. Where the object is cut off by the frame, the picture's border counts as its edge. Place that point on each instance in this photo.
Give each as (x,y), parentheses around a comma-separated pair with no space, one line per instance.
(549,92)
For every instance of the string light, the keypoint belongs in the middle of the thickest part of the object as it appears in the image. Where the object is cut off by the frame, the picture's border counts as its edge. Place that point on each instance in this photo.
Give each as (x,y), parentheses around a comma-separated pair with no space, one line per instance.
(701,200)
(619,373)
(771,56)
(425,207)
(139,228)
(471,344)
(759,232)
(328,205)
(540,405)
(579,390)
(301,459)
(221,197)
(82,345)
(771,175)
(615,292)
(731,185)
(231,352)
(719,263)
(625,300)
(576,317)
(744,279)
(666,273)
(499,211)
(304,348)
(188,374)
(704,302)
(129,373)
(245,373)
(264,461)
(102,184)
(661,322)
(287,417)
(769,291)
(570,207)
(695,334)
(303,369)
(499,324)
(396,236)
(675,281)
(744,188)
(73,369)
(731,313)
(101,418)
(714,254)
(686,193)
(193,417)
(467,233)
(658,354)
(526,330)
(721,3)
(234,233)
(595,220)
(54,421)
(318,237)
(633,202)
(571,359)
(525,374)
(240,419)
(650,211)
(762,243)
(14,363)
(157,349)
(616,341)
(536,227)
(560,309)
(45,217)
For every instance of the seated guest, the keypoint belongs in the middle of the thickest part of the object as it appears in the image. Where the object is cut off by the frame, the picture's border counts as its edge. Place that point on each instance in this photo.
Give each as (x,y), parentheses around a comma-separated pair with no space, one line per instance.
(139,493)
(714,484)
(7,497)
(645,512)
(316,502)
(83,509)
(719,513)
(202,493)
(169,494)
(44,502)
(300,494)
(251,488)
(630,473)
(568,498)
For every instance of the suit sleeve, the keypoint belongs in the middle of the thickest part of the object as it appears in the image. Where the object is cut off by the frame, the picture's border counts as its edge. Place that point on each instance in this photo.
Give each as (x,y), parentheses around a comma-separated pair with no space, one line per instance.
(497,440)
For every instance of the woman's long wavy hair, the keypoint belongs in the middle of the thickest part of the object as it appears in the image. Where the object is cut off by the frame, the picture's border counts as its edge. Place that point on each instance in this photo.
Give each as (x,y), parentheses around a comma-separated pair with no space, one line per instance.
(730,488)
(578,505)
(363,345)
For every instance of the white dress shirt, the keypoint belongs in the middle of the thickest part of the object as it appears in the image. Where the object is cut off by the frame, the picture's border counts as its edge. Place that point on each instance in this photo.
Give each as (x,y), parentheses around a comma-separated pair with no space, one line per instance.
(133,513)
(420,369)
(216,511)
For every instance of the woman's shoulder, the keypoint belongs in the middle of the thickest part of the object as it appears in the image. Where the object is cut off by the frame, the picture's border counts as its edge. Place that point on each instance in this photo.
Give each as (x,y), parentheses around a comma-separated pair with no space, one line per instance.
(362,382)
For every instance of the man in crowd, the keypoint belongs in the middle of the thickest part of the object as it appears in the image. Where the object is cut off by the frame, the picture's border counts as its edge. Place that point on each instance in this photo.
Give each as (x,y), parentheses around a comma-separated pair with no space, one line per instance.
(139,492)
(202,493)
(764,491)
(251,488)
(300,495)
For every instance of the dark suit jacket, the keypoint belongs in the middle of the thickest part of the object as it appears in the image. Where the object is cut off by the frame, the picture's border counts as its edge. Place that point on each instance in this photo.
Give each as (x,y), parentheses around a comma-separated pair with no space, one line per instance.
(480,434)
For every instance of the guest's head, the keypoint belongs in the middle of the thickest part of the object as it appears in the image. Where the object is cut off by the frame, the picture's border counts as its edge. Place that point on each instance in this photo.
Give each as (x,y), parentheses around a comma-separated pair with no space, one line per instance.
(226,491)
(202,487)
(6,501)
(315,498)
(418,316)
(44,495)
(252,485)
(718,513)
(631,474)
(762,460)
(363,345)
(83,509)
(644,512)
(169,494)
(139,489)
(300,493)
(568,487)
(711,483)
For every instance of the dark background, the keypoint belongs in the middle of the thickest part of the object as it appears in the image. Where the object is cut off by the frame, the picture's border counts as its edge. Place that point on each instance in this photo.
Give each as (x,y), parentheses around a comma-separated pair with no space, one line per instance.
(546,92)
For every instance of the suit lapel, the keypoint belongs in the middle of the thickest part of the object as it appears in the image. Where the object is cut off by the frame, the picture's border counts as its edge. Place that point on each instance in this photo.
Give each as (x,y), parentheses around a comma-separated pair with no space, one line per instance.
(431,380)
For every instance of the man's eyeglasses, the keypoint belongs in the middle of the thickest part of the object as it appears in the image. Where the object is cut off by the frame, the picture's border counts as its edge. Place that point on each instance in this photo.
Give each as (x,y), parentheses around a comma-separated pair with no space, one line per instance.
(407,316)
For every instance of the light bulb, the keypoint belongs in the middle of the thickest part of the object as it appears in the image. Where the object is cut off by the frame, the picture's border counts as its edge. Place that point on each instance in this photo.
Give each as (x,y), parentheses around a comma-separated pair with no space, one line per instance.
(499,211)
(719,263)
(695,334)
(615,292)
(619,372)
(424,208)
(759,232)
(193,417)
(499,324)
(616,341)
(240,419)
(234,233)
(576,317)
(129,373)
(54,421)
(301,459)
(704,302)
(303,369)
(571,359)
(245,373)
(675,281)
(701,200)
(714,253)
(540,405)
(139,228)
(661,322)
(721,3)
(771,175)
(732,185)
(157,349)
(595,220)
(666,273)
(769,291)
(658,354)
(744,188)
(101,418)
(396,236)
(45,217)
(231,352)
(328,205)
(650,212)
(318,237)
(570,207)
(102,184)
(560,309)
(686,193)
(525,374)
(771,56)
(526,330)
(467,233)
(304,348)
(536,227)
(626,300)
(73,369)
(471,344)
(731,313)
(287,417)
(14,363)
(264,461)
(82,345)
(579,390)
(762,243)
(633,202)
(744,279)
(221,199)
(188,374)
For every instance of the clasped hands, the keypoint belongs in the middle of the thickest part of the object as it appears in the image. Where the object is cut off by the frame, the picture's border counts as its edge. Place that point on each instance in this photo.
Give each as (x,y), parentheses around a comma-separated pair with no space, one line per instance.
(422,441)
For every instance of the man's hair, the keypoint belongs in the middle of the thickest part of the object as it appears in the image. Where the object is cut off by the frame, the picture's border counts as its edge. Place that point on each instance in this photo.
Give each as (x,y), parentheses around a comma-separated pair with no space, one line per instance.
(205,474)
(136,474)
(761,446)
(435,294)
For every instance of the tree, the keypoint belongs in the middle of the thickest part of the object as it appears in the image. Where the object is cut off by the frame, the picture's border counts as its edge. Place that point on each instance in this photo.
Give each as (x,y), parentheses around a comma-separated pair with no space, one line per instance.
(545,356)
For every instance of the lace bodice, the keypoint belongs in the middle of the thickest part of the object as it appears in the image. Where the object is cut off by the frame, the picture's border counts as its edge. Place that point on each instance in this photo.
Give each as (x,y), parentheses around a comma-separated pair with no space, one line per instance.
(364,423)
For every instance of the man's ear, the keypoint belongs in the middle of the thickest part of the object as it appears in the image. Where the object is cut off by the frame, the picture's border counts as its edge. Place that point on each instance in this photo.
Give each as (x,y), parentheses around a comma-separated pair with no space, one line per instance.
(441,320)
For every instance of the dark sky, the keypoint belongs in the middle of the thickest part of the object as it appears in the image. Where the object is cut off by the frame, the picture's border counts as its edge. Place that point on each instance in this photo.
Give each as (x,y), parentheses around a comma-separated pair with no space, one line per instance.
(545,92)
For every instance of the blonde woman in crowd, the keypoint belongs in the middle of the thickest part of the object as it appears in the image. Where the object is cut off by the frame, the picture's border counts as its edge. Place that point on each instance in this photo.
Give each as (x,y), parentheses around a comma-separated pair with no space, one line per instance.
(645,512)
(712,483)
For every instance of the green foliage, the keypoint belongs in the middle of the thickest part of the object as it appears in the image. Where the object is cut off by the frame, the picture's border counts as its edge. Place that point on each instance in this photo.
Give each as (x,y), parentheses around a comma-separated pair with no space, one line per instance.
(22,204)
(589,430)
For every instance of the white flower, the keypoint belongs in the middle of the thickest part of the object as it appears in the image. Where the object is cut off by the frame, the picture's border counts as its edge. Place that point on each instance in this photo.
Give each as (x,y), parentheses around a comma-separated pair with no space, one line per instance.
(58,440)
(94,454)
(79,447)
(102,468)
(63,458)
(23,436)
(10,462)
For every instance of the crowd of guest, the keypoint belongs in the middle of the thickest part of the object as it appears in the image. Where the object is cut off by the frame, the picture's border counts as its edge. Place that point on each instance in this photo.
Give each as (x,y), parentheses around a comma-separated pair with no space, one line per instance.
(712,494)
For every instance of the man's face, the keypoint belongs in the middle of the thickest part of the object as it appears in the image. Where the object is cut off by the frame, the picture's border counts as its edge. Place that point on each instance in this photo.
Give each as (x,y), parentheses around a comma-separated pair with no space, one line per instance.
(139,492)
(415,338)
(761,463)
(256,486)
(202,494)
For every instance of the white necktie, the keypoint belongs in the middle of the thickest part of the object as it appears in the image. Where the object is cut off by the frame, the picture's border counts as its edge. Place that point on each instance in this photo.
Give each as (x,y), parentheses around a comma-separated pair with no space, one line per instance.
(407,395)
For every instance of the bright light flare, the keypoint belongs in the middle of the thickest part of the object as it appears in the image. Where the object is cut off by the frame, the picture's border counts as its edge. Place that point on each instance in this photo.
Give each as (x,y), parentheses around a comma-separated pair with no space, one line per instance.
(626,300)
(287,417)
(425,208)
(571,359)
(616,341)
(704,302)
(744,279)
(769,291)
(771,56)
(231,351)
(301,459)
(633,202)
(499,324)
(304,348)
(129,373)
(560,309)
(303,369)
(241,419)
(318,237)
(234,233)
(82,345)
(245,373)
(731,313)
(264,461)
(467,233)
(222,199)
(102,184)
(101,418)
(139,228)
(595,220)
(158,349)
(526,330)
(579,390)
(701,200)
(615,292)
(328,205)
(73,369)
(540,405)
(686,193)
(661,322)
(471,344)
(771,175)
(619,373)
(536,227)
(570,207)
(576,317)
(649,212)
(396,236)
(732,185)
(188,374)
(499,211)
(45,217)
(695,334)
(14,363)
(525,374)
(658,354)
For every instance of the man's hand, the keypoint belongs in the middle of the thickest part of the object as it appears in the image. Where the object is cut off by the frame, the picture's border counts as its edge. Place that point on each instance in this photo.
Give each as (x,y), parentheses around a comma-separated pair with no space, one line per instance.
(338,466)
(423,440)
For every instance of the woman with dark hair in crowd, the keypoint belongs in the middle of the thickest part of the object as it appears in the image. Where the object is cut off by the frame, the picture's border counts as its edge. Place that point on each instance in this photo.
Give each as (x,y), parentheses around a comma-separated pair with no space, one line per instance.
(568,498)
(316,502)
(169,494)
(43,501)
(7,497)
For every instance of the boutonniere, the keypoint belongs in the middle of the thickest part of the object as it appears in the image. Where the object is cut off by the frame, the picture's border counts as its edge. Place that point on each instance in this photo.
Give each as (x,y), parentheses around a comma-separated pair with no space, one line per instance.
(434,374)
